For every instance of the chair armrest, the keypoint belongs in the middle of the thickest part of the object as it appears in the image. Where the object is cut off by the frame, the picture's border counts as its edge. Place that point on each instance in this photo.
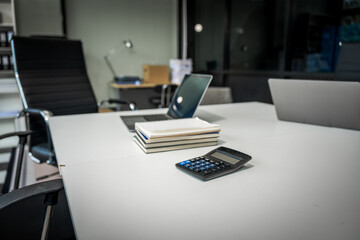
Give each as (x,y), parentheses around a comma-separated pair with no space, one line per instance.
(29,191)
(13,134)
(131,105)
(45,114)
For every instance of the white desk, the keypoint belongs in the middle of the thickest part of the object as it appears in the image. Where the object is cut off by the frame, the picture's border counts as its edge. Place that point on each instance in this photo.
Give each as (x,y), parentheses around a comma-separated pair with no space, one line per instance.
(302,183)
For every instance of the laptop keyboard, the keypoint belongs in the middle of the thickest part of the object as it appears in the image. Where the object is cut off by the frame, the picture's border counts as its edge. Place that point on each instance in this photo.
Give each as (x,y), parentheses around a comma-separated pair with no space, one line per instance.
(157,117)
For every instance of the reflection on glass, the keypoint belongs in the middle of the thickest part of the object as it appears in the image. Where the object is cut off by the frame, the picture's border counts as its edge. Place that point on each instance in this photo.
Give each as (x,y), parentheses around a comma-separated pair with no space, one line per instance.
(314,38)
(209,45)
(198,27)
(256,37)
(297,36)
(179,99)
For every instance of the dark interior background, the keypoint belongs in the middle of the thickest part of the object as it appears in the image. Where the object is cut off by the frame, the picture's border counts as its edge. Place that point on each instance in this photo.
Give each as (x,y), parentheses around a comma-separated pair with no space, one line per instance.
(243,43)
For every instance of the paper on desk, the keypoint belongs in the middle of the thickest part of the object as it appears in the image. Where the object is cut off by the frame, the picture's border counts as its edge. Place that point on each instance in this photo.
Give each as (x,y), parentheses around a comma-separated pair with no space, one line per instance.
(176,127)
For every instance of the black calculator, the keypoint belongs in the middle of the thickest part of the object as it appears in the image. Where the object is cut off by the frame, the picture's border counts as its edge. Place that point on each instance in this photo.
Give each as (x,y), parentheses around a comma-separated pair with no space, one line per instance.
(217,163)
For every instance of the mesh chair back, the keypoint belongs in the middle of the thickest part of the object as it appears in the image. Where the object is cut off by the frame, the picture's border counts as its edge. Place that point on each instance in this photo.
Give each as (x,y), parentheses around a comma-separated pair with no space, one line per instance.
(51,75)
(217,95)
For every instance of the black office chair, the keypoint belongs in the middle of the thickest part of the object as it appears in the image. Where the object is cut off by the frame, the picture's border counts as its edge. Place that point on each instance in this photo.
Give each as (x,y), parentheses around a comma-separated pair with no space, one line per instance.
(23,137)
(217,95)
(348,63)
(166,93)
(38,211)
(52,79)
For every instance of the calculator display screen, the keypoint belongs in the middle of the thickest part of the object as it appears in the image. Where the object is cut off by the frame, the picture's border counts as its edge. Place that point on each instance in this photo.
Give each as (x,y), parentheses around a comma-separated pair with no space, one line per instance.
(226,157)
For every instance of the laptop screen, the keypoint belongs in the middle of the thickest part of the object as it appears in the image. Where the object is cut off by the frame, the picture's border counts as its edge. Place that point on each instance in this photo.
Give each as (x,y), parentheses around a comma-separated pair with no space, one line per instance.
(188,95)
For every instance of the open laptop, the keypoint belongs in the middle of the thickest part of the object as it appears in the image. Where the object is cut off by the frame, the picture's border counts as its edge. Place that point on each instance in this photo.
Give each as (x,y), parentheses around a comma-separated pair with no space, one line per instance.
(183,104)
(327,103)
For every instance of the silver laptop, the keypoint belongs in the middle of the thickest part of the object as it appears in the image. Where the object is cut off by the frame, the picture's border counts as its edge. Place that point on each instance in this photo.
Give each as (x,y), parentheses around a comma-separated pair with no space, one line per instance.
(184,102)
(327,103)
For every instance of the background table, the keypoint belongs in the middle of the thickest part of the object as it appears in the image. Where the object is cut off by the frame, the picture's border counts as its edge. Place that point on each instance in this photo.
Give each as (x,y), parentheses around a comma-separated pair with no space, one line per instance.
(131,92)
(126,86)
(302,183)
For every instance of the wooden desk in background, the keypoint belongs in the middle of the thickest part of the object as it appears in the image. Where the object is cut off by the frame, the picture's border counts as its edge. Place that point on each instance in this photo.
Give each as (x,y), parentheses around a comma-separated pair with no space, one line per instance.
(153,75)
(131,92)
(141,93)
(132,86)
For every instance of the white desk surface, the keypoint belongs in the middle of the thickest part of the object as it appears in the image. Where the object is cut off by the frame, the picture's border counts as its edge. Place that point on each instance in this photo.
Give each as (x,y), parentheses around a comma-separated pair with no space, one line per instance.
(302,183)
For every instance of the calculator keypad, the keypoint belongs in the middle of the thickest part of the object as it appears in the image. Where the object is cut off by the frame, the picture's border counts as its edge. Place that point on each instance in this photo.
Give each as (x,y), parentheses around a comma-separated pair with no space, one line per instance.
(211,165)
(204,166)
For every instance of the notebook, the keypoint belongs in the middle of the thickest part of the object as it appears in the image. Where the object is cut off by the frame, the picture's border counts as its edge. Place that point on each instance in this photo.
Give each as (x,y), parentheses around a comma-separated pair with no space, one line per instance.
(184,102)
(327,103)
(175,134)
(178,127)
(174,147)
(172,143)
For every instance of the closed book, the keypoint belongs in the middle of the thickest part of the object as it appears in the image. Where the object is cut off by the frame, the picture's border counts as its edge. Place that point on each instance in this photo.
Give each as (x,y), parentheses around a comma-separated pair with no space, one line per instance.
(172,143)
(177,138)
(173,147)
(175,127)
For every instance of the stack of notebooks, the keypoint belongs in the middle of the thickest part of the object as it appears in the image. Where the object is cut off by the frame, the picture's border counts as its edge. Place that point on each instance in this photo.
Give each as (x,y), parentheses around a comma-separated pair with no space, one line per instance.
(159,136)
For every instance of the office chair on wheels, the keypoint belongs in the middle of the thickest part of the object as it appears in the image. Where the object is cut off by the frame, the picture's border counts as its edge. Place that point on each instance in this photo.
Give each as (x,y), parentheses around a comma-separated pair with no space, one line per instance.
(166,93)
(52,80)
(38,211)
(217,95)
